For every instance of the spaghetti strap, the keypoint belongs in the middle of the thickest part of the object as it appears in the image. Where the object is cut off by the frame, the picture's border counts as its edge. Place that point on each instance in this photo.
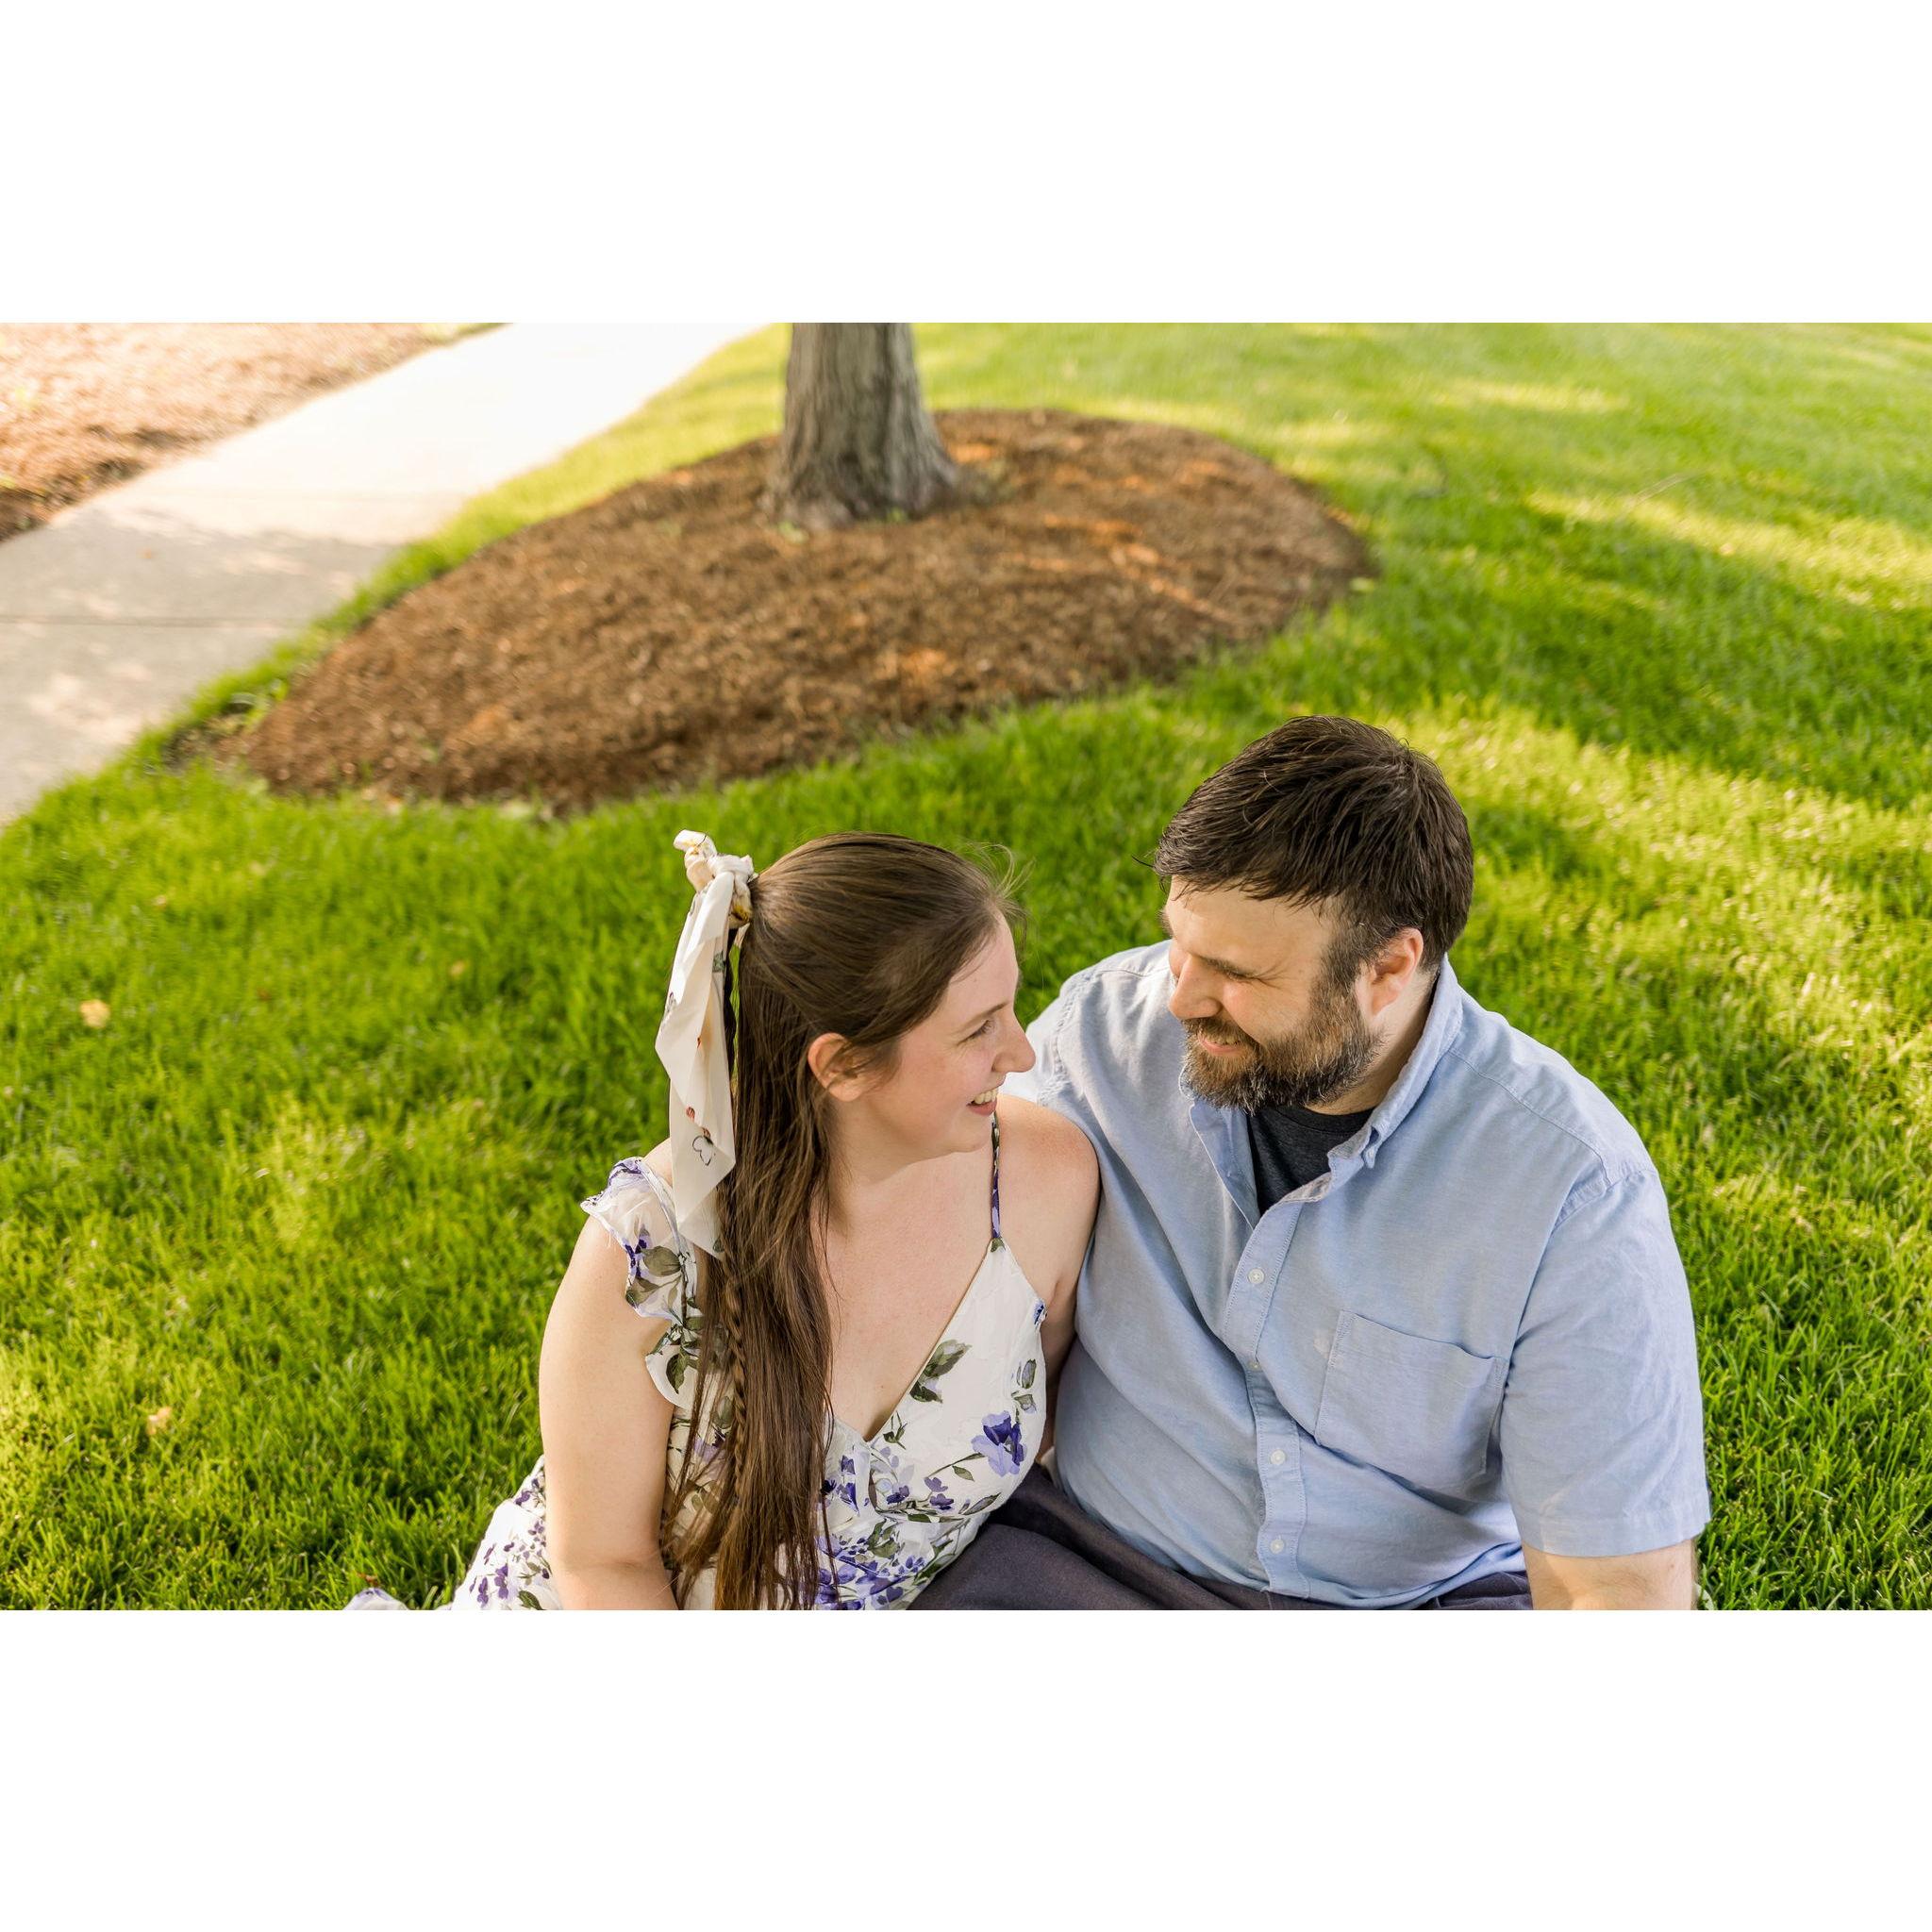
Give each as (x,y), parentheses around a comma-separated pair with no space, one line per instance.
(998,1241)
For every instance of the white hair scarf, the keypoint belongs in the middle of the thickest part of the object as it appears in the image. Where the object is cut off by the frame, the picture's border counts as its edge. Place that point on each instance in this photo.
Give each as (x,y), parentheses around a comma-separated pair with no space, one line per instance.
(690,1040)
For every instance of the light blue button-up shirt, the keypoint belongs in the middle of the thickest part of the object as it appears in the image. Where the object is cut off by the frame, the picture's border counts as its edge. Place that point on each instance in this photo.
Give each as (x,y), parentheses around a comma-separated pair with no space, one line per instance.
(1472,1333)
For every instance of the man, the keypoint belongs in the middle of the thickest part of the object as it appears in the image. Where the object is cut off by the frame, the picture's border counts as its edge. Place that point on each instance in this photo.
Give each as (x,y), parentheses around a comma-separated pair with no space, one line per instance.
(1383,1306)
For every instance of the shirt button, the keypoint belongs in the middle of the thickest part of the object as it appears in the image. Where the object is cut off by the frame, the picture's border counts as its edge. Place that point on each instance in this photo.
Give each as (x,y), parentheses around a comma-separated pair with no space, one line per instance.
(1255,1276)
(1254,1362)
(1279,1456)
(1276,1546)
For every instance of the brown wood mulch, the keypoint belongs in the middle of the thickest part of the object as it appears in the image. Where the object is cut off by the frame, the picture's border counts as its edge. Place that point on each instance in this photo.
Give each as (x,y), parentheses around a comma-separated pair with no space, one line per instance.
(667,636)
(84,404)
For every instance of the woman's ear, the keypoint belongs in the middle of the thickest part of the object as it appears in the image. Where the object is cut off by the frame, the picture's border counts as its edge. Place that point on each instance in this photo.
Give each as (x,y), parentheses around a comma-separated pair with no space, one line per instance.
(830,1061)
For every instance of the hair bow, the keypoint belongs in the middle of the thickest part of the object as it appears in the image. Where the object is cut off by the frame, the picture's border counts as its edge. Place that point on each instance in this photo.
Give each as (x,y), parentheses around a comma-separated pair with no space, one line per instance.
(691,1039)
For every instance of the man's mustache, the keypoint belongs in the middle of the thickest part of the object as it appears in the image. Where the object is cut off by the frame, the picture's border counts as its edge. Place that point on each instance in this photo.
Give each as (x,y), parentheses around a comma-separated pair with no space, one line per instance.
(1200,1029)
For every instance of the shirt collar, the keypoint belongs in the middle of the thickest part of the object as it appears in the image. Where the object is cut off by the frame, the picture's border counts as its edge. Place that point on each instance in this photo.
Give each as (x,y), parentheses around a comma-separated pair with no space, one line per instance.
(1438,1034)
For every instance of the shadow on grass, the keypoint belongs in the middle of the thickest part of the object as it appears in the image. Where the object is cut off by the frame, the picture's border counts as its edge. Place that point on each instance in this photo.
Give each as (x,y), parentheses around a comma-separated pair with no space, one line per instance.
(1437,440)
(1561,640)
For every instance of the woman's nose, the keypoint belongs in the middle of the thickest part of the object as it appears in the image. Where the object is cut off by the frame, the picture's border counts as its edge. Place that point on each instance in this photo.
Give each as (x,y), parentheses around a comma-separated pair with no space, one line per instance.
(1016,1055)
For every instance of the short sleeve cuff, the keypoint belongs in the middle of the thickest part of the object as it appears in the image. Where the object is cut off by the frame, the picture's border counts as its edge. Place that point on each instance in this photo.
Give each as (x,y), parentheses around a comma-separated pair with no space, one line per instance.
(1557,1535)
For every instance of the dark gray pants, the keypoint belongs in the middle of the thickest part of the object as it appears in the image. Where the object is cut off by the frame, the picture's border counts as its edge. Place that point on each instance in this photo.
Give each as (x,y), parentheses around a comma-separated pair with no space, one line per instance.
(1042,1552)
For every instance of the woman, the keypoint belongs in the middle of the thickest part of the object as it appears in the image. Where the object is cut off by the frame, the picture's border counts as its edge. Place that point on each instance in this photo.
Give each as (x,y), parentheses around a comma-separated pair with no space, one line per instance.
(762,1385)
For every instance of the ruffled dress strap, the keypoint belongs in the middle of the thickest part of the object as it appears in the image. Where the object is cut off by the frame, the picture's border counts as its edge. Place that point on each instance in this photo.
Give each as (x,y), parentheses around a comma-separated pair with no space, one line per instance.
(635,1209)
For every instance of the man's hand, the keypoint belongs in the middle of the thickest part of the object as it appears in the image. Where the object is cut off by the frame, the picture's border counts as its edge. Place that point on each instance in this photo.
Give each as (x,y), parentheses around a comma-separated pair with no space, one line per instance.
(1654,1581)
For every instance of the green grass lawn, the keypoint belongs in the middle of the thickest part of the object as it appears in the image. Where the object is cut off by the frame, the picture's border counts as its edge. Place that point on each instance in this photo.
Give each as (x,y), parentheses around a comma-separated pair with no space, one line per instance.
(1655,598)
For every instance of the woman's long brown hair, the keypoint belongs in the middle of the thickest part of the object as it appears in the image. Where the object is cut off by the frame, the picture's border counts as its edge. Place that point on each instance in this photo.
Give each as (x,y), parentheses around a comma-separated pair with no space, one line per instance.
(858,934)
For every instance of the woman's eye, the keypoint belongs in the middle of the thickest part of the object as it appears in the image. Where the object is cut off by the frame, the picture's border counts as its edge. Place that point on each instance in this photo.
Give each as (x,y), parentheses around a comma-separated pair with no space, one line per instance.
(984,1027)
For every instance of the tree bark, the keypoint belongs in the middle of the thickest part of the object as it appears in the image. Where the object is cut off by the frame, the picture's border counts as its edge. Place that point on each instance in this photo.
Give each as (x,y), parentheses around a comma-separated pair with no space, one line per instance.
(859,443)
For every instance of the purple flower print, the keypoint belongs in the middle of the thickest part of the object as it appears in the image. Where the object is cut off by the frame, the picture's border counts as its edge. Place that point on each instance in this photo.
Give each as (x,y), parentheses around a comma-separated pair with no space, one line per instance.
(1002,1445)
(936,1494)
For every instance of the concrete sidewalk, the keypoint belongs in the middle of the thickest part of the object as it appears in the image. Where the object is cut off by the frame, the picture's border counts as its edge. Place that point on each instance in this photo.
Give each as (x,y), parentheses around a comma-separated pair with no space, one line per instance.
(115,613)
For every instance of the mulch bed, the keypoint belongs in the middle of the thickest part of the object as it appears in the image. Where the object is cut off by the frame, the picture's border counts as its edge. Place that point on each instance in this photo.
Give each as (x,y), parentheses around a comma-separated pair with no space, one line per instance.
(87,404)
(668,636)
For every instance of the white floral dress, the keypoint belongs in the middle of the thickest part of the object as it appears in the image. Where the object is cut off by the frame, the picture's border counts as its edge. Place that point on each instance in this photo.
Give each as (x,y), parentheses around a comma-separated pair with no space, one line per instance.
(899,1505)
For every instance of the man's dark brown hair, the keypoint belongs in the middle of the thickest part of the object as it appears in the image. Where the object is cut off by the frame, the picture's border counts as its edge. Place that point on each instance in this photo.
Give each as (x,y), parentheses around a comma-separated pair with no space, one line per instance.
(1332,810)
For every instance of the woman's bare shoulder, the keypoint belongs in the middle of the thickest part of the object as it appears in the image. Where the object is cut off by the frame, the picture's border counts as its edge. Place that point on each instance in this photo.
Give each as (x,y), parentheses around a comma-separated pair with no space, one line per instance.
(1047,1142)
(1050,1188)
(1048,1172)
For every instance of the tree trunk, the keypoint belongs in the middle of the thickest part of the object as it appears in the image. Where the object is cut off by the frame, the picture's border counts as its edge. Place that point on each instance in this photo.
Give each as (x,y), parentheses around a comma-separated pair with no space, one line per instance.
(859,443)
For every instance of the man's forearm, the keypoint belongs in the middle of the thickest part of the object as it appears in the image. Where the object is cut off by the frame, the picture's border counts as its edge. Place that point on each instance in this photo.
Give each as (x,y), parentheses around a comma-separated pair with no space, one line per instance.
(1653,1580)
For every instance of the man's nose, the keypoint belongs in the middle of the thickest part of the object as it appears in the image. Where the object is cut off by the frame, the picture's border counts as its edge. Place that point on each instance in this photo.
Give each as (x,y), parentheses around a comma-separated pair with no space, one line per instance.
(1192,997)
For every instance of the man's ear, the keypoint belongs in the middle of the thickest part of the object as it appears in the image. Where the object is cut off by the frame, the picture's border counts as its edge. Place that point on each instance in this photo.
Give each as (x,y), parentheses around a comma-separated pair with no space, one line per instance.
(1393,969)
(830,1059)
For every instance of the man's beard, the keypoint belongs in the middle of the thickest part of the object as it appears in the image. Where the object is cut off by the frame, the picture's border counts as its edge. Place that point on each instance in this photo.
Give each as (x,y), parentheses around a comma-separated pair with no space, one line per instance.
(1327,1056)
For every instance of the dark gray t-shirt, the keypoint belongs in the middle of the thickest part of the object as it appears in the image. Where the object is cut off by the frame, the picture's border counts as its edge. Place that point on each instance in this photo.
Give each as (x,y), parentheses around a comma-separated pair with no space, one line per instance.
(1291,1146)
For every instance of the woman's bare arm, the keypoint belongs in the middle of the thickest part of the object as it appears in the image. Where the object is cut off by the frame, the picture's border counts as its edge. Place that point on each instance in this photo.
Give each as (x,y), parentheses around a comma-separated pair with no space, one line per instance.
(606,1430)
(1057,1194)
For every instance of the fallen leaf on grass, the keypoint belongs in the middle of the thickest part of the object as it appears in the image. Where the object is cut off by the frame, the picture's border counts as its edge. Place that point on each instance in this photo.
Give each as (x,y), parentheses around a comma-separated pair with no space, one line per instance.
(161,1419)
(96,1013)
(458,968)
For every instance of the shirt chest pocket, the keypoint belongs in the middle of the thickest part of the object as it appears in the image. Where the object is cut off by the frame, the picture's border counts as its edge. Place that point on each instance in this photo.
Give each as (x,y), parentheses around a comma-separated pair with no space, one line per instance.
(1418,1408)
